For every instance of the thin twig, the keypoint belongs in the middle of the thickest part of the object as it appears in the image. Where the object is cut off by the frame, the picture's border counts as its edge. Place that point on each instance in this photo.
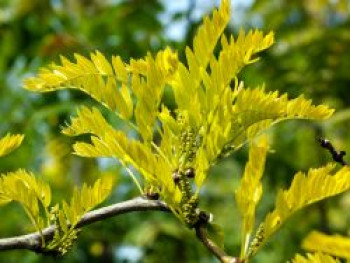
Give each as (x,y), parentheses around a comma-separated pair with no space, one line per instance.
(338,156)
(33,241)
(202,235)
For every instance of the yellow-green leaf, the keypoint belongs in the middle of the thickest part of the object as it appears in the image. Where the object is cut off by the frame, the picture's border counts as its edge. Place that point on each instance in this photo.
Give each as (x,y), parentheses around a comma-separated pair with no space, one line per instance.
(186,86)
(26,189)
(335,245)
(101,64)
(249,191)
(9,143)
(314,258)
(306,189)
(81,202)
(94,77)
(62,222)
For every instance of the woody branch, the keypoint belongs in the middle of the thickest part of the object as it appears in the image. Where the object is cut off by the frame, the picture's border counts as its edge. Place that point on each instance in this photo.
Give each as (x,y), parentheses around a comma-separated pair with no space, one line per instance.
(33,241)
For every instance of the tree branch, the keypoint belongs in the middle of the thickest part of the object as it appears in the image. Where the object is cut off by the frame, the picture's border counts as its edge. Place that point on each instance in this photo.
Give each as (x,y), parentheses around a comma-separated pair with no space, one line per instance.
(338,156)
(202,235)
(33,241)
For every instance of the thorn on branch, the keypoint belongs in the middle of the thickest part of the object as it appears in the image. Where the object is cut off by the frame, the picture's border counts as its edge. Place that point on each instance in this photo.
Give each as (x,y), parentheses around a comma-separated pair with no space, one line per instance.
(152,196)
(203,218)
(338,156)
(151,193)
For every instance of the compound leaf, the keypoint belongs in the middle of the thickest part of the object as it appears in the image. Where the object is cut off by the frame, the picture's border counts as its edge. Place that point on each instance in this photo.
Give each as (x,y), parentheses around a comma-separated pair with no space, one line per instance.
(334,245)
(249,191)
(306,189)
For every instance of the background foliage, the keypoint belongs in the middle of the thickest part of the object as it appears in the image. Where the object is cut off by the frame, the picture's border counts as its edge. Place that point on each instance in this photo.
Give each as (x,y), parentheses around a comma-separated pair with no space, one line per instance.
(310,57)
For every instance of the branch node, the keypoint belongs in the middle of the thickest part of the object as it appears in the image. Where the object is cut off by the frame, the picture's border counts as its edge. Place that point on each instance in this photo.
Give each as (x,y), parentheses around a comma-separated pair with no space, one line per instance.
(338,156)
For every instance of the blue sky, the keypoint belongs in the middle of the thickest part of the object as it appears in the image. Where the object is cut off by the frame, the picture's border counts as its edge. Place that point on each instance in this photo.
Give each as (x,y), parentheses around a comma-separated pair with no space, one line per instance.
(176,30)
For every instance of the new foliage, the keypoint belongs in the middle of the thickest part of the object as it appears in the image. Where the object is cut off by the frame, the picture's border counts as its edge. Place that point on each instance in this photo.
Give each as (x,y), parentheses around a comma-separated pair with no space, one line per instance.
(34,195)
(215,115)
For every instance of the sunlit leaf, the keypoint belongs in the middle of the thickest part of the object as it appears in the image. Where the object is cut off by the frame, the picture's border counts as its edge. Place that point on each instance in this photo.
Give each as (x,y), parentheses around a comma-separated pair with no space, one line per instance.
(306,189)
(9,143)
(94,77)
(335,245)
(29,191)
(249,191)
(214,114)
(314,258)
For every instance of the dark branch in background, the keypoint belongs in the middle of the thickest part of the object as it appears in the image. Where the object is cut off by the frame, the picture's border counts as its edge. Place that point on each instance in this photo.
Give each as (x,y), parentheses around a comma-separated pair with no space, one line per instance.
(338,156)
(33,241)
